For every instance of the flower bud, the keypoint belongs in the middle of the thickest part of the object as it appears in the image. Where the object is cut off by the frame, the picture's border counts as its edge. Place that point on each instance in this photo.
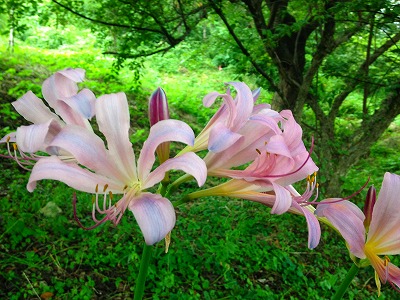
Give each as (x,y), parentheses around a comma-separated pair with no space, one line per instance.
(369,205)
(158,106)
(158,111)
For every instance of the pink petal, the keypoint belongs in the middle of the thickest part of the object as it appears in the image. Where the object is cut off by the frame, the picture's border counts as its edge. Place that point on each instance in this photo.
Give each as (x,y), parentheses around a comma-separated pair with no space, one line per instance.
(314,229)
(155,216)
(9,138)
(71,174)
(112,114)
(163,131)
(70,116)
(226,113)
(221,137)
(189,163)
(277,145)
(33,138)
(244,104)
(83,103)
(384,230)
(348,219)
(283,199)
(33,109)
(88,149)
(62,85)
(76,75)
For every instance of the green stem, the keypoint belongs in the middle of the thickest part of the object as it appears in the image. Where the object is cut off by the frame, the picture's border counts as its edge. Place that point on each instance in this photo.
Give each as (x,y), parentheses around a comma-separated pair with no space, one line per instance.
(345,284)
(144,266)
(173,186)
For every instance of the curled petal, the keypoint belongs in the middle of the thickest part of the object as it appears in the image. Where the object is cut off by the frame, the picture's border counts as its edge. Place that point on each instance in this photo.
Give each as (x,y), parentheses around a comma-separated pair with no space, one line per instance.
(161,132)
(155,216)
(70,116)
(227,110)
(36,137)
(221,138)
(244,104)
(189,162)
(348,219)
(283,199)
(62,85)
(83,103)
(314,229)
(9,138)
(33,109)
(71,174)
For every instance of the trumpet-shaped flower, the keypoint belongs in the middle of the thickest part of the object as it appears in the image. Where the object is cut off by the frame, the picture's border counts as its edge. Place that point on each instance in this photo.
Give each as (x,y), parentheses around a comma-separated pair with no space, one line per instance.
(300,205)
(221,131)
(382,237)
(113,170)
(60,91)
(279,157)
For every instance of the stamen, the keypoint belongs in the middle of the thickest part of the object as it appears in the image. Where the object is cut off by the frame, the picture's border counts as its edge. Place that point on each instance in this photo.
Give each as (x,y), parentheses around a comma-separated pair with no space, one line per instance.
(105,187)
(386,261)
(258,151)
(74,200)
(299,168)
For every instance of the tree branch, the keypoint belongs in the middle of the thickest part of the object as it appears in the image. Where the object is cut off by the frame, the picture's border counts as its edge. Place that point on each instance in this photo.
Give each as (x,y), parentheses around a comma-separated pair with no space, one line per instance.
(219,12)
(106,23)
(337,102)
(128,55)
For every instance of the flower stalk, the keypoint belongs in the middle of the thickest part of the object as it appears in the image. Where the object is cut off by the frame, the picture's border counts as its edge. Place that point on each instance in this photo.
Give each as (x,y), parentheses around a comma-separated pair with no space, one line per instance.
(346,283)
(143,270)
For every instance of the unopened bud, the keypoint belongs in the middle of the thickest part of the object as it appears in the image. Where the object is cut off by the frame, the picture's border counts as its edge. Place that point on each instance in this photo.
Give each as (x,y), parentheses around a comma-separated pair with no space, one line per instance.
(158,111)
(158,106)
(369,206)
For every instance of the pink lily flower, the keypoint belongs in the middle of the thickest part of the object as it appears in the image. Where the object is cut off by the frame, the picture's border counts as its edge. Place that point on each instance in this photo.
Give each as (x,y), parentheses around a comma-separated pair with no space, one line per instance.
(242,189)
(106,172)
(382,237)
(70,106)
(221,132)
(279,157)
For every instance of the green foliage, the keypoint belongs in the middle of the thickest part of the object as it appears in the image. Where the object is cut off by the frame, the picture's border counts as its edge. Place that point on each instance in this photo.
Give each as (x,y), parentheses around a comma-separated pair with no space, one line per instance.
(221,248)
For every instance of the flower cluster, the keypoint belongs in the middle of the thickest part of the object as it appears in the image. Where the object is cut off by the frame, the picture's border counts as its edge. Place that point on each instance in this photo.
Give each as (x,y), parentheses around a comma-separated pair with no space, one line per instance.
(259,150)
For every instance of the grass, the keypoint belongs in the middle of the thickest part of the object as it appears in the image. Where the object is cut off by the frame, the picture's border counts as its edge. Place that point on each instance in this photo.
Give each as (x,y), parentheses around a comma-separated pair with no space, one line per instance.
(221,248)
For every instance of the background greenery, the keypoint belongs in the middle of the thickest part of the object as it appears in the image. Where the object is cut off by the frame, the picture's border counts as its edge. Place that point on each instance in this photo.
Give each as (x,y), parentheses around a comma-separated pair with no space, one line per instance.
(221,248)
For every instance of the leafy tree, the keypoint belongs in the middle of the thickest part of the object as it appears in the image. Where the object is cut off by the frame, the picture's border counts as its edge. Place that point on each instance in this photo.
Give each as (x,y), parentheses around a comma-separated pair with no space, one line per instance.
(15,11)
(319,57)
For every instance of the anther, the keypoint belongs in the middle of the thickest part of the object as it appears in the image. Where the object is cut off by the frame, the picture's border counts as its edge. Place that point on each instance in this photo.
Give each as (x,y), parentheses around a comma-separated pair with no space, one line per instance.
(258,151)
(15,146)
(105,187)
(97,188)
